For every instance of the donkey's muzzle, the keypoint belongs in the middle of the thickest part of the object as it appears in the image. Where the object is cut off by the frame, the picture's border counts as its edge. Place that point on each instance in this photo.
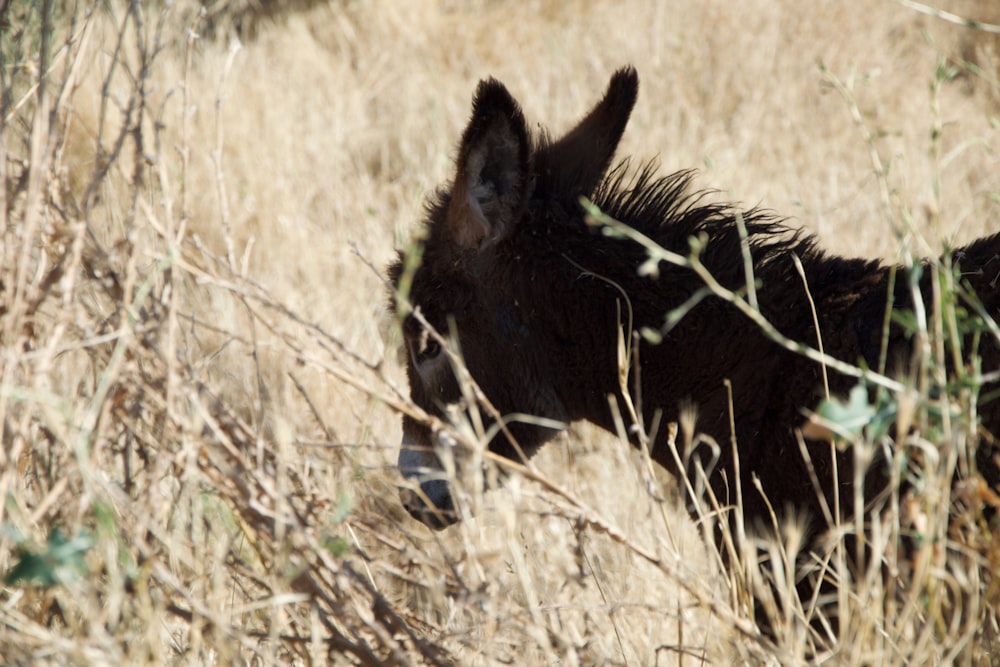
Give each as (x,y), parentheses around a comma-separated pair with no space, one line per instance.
(436,515)
(428,499)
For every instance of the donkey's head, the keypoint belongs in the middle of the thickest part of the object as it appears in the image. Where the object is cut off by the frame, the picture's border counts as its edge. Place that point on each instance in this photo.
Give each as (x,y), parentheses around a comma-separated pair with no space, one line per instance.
(475,286)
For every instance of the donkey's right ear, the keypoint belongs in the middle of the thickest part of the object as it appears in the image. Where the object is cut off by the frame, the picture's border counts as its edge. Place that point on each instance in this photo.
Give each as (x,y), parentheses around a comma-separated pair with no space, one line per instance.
(491,183)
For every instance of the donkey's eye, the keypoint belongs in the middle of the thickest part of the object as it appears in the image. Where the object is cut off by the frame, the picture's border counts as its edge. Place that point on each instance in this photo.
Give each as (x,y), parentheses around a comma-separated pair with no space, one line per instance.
(429,351)
(426,349)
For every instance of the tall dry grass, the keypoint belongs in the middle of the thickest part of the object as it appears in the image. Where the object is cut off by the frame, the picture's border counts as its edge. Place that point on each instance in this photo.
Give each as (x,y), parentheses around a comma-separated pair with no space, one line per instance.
(200,392)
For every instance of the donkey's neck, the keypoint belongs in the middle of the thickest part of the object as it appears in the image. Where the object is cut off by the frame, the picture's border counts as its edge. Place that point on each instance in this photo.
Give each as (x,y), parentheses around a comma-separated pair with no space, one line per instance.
(714,358)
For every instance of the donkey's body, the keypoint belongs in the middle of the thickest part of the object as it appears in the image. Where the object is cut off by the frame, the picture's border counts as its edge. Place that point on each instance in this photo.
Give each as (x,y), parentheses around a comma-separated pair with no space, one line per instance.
(539,299)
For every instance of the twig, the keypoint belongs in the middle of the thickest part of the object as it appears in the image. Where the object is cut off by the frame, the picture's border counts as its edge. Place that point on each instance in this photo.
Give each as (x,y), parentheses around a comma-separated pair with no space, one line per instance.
(951,18)
(658,253)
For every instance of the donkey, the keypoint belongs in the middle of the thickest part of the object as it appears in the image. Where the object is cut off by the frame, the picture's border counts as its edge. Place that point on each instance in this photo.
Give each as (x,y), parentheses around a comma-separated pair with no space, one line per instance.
(536,300)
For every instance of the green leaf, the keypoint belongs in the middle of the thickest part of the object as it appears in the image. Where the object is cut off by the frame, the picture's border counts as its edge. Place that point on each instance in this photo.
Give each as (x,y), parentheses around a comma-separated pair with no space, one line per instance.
(337,546)
(60,561)
(848,419)
(343,509)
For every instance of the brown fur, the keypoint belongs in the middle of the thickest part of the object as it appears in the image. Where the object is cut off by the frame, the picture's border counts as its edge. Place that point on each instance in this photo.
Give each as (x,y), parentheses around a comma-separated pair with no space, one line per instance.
(536,298)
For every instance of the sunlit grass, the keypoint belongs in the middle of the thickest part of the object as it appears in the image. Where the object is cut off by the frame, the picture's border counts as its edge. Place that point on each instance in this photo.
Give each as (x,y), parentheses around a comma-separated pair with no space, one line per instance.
(199,392)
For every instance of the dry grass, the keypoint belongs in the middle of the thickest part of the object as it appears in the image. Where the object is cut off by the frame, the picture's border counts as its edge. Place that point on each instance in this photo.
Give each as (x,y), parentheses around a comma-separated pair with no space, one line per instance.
(200,392)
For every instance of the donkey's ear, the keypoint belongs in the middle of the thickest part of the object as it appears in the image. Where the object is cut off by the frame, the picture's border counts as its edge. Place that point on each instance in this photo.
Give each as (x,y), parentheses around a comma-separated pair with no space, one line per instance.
(575,164)
(493,161)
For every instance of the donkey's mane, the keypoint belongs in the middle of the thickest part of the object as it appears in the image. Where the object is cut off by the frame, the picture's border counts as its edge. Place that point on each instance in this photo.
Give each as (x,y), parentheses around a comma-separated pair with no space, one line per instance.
(669,211)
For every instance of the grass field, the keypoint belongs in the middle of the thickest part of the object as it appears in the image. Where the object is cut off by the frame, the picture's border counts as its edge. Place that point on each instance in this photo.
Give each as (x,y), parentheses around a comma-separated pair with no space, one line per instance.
(201,391)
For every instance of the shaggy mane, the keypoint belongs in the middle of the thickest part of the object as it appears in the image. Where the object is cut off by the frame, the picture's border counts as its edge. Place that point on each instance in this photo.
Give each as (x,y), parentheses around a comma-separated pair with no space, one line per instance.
(669,211)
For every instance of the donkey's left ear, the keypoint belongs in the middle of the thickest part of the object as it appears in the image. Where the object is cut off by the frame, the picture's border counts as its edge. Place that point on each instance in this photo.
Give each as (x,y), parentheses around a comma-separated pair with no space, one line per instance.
(575,164)
(490,187)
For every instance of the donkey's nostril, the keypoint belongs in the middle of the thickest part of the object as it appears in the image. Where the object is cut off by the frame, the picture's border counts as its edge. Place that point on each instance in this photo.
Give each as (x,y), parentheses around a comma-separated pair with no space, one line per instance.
(440,514)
